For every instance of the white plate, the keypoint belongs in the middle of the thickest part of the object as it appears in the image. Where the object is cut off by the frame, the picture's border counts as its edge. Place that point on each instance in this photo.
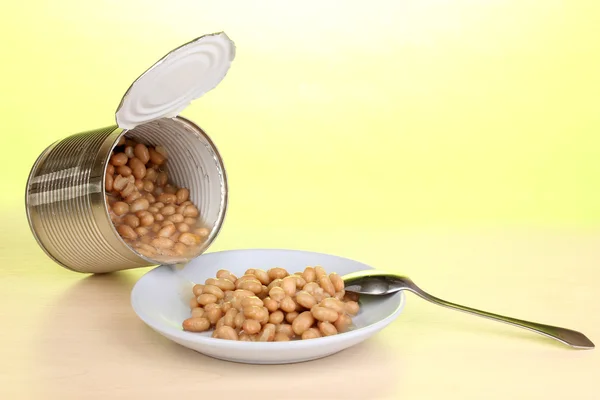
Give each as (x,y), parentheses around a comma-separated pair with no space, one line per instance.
(161,297)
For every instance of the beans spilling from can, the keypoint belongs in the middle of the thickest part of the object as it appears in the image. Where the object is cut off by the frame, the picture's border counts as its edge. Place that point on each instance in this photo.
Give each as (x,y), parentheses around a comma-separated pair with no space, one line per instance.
(156,218)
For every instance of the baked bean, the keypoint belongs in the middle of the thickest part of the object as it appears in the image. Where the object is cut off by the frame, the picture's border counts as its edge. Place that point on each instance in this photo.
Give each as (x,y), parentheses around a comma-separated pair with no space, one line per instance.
(108,182)
(167,231)
(138,169)
(239,320)
(277,293)
(118,159)
(291,316)
(129,188)
(251,326)
(226,332)
(110,169)
(127,232)
(180,248)
(254,312)
(333,303)
(276,317)
(277,273)
(319,272)
(286,329)
(222,283)
(352,307)
(119,183)
(196,324)
(131,220)
(300,282)
(182,195)
(162,243)
(167,210)
(206,298)
(189,239)
(267,334)
(161,178)
(324,314)
(124,170)
(219,324)
(223,273)
(120,208)
(169,189)
(288,304)
(275,283)
(213,314)
(158,217)
(289,285)
(155,157)
(302,322)
(155,228)
(177,218)
(327,328)
(129,151)
(229,318)
(305,299)
(190,211)
(147,185)
(252,301)
(139,184)
(214,290)
(151,174)
(197,312)
(142,231)
(338,282)
(135,195)
(146,219)
(311,287)
(140,205)
(264,292)
(309,274)
(271,304)
(252,285)
(197,289)
(141,152)
(168,198)
(326,284)
(189,220)
(262,276)
(281,337)
(342,323)
(241,293)
(311,333)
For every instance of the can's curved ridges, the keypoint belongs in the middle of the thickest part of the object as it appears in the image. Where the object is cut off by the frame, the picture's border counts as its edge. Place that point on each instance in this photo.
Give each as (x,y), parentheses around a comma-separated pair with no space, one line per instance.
(61,207)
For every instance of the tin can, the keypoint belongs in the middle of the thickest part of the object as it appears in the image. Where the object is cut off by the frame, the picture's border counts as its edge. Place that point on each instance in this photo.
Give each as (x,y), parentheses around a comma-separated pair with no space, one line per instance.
(65,195)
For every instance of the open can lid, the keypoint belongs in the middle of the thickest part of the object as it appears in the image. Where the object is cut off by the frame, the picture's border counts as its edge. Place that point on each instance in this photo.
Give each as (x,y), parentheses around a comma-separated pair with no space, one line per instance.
(180,77)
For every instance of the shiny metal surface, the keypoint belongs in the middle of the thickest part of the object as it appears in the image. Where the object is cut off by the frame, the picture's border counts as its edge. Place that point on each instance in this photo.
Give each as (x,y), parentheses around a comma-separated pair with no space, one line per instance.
(380,283)
(65,197)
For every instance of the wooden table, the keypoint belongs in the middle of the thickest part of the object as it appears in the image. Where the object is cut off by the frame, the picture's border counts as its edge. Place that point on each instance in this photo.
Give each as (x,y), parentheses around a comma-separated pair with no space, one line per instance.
(70,336)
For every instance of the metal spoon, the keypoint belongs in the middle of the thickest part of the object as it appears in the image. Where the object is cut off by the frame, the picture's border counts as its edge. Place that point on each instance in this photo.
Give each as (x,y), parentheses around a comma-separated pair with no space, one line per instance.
(379,283)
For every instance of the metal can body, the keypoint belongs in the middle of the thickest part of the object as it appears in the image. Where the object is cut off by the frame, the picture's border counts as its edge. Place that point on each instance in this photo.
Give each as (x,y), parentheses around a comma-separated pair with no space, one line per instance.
(66,199)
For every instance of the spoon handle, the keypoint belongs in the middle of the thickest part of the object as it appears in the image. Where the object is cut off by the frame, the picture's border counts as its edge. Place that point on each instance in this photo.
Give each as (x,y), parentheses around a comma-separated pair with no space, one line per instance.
(566,336)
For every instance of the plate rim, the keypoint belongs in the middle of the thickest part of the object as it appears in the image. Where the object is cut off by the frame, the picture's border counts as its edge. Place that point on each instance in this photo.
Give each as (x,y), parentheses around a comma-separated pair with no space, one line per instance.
(220,343)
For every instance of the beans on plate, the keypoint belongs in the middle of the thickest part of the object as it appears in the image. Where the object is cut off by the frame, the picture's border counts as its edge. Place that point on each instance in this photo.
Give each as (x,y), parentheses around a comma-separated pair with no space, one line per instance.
(272,305)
